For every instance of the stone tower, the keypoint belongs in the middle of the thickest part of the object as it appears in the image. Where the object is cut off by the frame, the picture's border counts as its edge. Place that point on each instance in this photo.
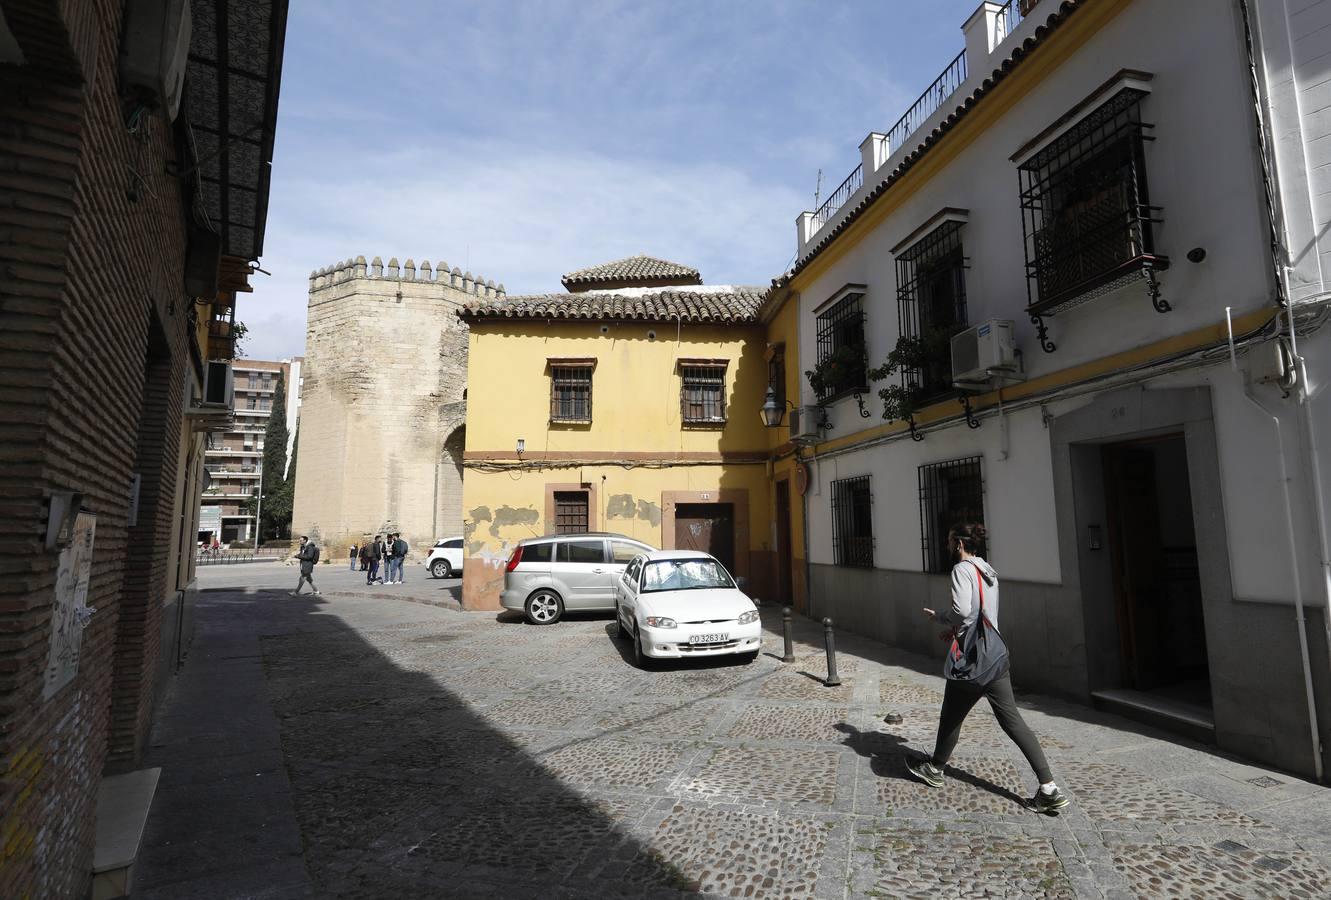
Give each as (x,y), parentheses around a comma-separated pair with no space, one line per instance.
(382,423)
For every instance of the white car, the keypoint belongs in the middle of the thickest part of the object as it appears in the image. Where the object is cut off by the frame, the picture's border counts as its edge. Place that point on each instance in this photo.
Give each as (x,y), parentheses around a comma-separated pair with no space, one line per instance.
(682,603)
(445,559)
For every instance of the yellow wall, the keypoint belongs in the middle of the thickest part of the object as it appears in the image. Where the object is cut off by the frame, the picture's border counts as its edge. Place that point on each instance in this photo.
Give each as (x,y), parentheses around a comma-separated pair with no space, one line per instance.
(636,455)
(635,388)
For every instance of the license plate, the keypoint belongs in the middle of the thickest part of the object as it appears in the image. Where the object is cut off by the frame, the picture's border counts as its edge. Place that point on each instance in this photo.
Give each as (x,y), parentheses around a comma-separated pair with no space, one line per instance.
(709,638)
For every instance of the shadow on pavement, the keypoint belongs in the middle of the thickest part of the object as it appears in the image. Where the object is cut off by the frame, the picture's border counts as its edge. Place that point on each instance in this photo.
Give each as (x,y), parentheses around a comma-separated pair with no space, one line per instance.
(293,744)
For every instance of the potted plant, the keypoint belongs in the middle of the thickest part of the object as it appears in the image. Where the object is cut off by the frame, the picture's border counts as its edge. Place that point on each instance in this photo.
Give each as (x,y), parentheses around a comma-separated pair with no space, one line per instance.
(840,371)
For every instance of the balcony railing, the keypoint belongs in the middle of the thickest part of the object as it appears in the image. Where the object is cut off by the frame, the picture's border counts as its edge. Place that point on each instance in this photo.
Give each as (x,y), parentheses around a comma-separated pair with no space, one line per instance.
(1009,17)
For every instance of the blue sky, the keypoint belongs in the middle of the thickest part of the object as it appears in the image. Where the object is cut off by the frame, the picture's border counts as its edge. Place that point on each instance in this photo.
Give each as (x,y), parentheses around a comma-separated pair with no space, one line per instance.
(522,140)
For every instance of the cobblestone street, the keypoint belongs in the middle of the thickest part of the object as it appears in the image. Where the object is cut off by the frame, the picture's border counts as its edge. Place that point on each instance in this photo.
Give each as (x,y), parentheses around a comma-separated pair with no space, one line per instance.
(364,747)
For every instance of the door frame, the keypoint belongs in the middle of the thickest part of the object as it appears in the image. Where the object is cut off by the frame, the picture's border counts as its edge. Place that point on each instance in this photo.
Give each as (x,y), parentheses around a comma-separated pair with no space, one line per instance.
(593,506)
(738,498)
(1077,439)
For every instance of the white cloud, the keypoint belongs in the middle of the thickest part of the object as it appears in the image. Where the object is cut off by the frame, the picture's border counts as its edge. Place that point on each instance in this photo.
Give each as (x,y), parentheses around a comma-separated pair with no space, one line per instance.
(518,214)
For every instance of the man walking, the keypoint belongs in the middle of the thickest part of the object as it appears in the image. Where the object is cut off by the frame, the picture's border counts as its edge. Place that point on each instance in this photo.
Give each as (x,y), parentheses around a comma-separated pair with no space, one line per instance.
(308,554)
(975,598)
(352,557)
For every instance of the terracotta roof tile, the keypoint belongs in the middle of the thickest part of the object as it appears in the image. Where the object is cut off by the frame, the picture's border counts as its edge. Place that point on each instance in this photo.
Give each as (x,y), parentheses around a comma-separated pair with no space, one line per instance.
(711,303)
(633,268)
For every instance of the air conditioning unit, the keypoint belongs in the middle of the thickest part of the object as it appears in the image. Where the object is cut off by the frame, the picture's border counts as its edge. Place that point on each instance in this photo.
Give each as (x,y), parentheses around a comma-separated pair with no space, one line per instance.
(983,351)
(218,385)
(154,51)
(804,424)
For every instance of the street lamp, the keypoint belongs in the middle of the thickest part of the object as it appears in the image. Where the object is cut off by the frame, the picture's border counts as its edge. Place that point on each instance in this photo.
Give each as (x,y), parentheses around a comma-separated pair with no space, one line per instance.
(772,411)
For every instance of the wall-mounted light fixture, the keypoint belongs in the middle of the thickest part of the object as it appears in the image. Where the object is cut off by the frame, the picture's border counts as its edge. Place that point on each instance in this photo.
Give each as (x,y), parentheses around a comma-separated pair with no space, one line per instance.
(522,446)
(772,411)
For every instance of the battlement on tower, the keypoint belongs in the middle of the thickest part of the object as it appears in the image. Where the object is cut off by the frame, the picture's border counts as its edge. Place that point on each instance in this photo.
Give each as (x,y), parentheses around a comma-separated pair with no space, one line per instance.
(441,275)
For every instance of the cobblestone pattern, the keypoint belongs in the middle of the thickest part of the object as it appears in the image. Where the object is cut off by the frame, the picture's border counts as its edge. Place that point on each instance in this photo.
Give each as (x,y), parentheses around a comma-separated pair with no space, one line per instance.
(1181,871)
(617,763)
(791,723)
(896,691)
(912,864)
(794,686)
(538,770)
(1112,793)
(726,853)
(807,776)
(550,712)
(973,786)
(689,720)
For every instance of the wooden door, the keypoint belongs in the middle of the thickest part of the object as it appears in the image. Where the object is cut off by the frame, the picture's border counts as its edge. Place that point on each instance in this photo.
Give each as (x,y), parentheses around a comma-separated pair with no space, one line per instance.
(1137,561)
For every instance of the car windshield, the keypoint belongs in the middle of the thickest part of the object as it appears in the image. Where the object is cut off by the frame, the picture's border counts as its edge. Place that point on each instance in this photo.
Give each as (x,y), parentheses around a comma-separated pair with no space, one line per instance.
(684,575)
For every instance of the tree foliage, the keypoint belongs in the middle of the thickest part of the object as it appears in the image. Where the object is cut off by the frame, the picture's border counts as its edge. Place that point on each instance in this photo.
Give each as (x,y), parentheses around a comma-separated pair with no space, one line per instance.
(274,510)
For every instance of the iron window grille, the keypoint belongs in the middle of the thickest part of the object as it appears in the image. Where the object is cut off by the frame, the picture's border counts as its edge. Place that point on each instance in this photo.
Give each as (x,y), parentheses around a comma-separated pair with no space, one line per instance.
(931,305)
(1086,213)
(852,522)
(571,509)
(702,399)
(951,493)
(841,342)
(571,394)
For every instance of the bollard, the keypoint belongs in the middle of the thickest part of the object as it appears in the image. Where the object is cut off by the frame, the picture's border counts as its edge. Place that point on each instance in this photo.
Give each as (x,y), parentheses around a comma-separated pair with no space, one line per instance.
(789,628)
(832,679)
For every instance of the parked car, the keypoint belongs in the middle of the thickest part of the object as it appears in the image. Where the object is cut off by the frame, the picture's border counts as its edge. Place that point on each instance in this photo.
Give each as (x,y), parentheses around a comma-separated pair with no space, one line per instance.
(683,603)
(545,577)
(445,559)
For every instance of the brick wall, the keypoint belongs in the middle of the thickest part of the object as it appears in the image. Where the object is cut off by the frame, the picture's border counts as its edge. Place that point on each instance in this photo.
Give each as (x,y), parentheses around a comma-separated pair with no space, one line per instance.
(91,247)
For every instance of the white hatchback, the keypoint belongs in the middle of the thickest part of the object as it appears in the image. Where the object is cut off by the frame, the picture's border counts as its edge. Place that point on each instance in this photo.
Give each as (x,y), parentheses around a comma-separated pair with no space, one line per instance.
(681,603)
(445,559)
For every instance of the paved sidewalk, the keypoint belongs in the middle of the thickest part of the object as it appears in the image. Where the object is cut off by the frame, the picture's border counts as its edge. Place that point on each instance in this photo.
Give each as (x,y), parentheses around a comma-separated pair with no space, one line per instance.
(352,747)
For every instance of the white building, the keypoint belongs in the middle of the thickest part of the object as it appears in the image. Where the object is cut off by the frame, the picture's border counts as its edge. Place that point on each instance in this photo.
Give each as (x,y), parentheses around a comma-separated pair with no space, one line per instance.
(1151,213)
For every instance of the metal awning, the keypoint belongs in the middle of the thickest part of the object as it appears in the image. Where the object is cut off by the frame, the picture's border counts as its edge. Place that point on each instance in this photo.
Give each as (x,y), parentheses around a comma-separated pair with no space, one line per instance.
(231,88)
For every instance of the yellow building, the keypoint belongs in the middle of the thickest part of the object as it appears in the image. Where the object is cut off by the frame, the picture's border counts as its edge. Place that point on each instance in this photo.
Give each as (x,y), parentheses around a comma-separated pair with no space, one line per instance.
(630,404)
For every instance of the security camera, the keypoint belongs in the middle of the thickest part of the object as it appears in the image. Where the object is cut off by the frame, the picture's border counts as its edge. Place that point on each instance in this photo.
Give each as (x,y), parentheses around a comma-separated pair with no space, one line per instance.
(651,334)
(605,329)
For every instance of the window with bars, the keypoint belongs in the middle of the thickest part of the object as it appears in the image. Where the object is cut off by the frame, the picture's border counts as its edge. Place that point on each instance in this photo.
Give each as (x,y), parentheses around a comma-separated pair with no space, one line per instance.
(852,522)
(951,493)
(842,364)
(1086,213)
(571,508)
(571,393)
(931,306)
(702,398)
(251,402)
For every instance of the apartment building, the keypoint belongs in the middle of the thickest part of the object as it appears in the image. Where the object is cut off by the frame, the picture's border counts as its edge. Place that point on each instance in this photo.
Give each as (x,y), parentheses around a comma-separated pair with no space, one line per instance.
(1075,293)
(234,458)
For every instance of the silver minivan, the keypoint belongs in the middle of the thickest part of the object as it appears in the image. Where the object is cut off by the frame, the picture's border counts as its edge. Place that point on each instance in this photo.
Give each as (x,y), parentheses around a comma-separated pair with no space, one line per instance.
(567,572)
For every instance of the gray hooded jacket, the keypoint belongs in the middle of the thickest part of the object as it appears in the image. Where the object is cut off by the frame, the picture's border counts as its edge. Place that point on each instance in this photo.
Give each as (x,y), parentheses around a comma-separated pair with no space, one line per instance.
(966,593)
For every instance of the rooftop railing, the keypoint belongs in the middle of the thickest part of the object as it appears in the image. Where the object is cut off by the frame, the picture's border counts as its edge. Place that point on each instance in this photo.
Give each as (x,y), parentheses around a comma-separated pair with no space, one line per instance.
(1009,17)
(928,103)
(838,198)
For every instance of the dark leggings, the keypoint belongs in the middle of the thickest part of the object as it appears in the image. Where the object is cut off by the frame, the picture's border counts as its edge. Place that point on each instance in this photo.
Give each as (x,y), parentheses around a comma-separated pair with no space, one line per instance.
(957,702)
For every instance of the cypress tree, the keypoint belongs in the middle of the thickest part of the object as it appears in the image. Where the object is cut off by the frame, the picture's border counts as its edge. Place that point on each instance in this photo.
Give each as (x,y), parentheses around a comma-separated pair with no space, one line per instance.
(274,454)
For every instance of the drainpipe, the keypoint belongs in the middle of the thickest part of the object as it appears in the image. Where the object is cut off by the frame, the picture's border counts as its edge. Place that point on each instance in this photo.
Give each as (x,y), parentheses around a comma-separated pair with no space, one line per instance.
(1291,533)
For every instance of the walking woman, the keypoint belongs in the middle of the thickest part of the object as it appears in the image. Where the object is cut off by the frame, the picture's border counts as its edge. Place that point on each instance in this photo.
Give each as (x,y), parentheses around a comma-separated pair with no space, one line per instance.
(975,588)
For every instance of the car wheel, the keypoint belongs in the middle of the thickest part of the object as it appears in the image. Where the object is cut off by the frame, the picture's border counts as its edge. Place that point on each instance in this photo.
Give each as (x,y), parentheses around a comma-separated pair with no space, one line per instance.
(441,569)
(544,608)
(619,631)
(747,658)
(640,659)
